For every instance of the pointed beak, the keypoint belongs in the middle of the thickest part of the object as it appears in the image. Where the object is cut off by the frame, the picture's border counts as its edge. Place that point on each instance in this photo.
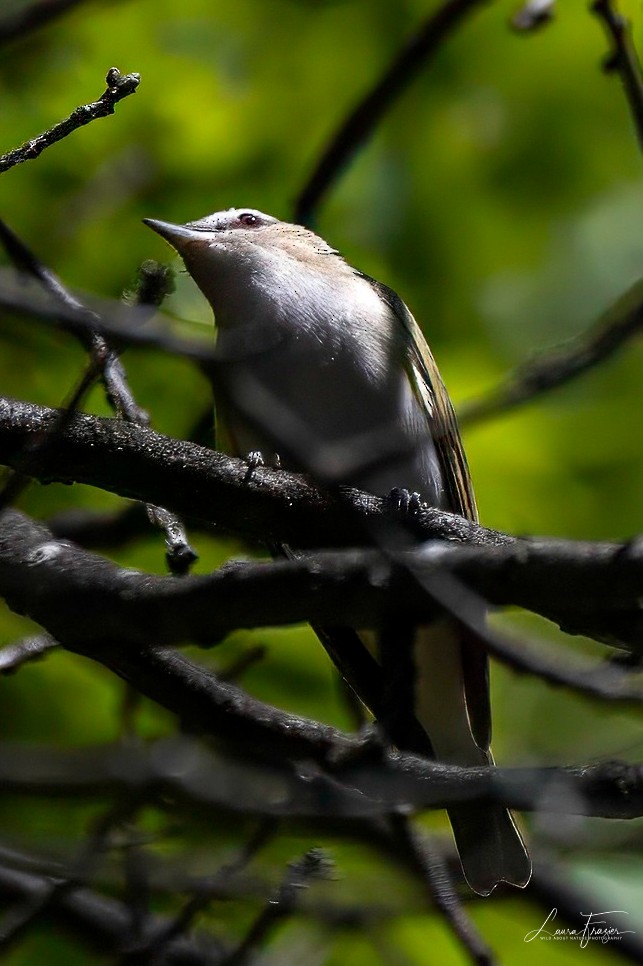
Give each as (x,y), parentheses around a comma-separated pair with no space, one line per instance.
(176,235)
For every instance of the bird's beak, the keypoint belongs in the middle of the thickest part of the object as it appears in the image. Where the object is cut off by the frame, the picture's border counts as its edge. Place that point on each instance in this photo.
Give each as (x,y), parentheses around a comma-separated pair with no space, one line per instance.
(176,235)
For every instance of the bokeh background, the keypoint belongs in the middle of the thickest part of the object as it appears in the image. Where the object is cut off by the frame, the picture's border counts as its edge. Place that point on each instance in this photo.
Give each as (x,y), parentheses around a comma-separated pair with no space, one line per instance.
(502,197)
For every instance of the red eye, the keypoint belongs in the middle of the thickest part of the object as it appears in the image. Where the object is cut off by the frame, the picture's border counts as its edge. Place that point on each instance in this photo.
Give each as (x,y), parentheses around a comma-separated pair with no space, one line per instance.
(247,218)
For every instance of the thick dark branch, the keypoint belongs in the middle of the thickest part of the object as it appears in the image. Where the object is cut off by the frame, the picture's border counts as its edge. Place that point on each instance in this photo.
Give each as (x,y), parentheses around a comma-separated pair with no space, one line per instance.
(143,465)
(118,86)
(559,365)
(202,701)
(345,780)
(584,587)
(219,708)
(364,118)
(79,597)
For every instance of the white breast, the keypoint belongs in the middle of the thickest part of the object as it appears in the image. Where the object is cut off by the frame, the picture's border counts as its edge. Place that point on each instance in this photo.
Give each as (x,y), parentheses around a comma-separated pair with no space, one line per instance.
(314,362)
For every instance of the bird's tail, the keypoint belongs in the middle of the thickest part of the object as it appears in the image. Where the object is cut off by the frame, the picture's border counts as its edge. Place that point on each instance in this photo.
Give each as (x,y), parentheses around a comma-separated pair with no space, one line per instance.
(451,706)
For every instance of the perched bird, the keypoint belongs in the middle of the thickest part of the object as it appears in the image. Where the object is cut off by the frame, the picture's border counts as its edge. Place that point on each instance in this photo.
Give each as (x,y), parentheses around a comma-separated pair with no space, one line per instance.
(328,368)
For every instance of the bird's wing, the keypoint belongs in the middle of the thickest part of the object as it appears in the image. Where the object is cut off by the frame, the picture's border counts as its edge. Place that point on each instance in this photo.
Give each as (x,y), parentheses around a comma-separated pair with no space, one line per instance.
(431,394)
(433,398)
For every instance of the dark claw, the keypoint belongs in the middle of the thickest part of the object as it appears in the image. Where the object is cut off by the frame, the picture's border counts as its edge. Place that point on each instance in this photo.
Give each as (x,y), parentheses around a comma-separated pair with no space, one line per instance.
(405,501)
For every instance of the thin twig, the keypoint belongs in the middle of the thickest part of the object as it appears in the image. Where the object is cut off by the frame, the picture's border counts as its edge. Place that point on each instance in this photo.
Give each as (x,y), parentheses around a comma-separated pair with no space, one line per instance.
(238,667)
(207,889)
(559,365)
(431,869)
(153,282)
(37,450)
(118,86)
(24,915)
(623,59)
(625,318)
(362,121)
(104,360)
(124,324)
(313,865)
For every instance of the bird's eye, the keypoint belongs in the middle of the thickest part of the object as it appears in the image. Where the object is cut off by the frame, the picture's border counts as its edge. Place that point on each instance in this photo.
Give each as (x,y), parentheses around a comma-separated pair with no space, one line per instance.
(247,218)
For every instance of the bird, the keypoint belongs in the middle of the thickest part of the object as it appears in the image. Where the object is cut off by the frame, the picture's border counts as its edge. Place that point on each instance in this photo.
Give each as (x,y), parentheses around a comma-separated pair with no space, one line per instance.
(327,367)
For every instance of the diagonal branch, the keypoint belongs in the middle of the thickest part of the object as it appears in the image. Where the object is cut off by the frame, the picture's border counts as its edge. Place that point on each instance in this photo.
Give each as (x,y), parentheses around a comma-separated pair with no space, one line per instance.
(559,365)
(127,325)
(118,86)
(105,362)
(623,59)
(362,121)
(417,852)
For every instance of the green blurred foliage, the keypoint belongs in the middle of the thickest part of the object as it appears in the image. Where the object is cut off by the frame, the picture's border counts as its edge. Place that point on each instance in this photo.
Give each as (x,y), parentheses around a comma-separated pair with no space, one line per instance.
(501,197)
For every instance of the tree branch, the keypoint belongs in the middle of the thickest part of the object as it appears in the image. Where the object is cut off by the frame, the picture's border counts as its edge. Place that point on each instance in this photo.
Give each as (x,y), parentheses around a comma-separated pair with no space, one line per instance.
(128,325)
(344,781)
(103,922)
(140,464)
(362,121)
(556,366)
(590,588)
(118,86)
(78,596)
(105,362)
(429,866)
(623,60)
(283,903)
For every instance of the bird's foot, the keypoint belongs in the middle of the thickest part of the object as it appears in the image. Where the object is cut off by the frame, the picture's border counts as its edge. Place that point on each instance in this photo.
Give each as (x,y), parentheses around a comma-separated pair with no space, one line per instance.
(255,459)
(405,501)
